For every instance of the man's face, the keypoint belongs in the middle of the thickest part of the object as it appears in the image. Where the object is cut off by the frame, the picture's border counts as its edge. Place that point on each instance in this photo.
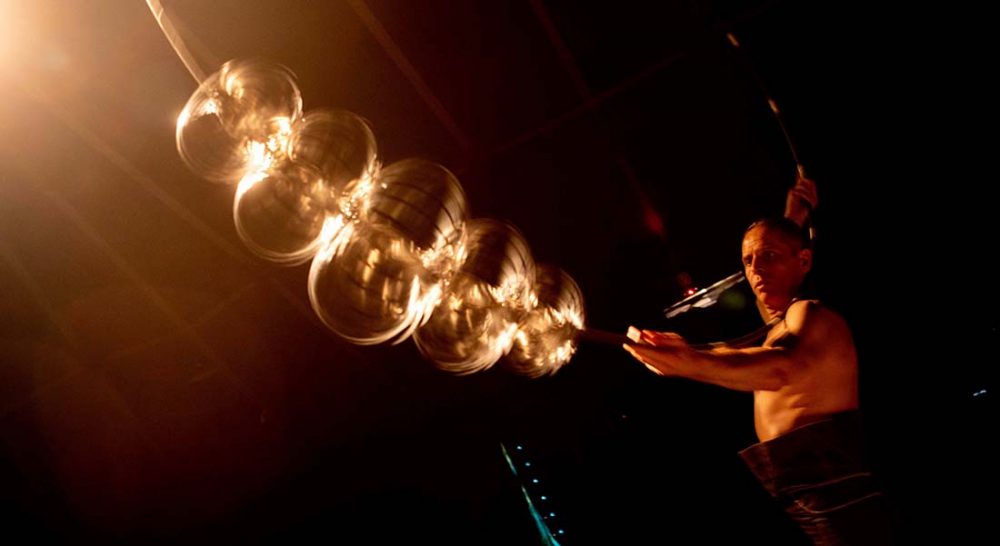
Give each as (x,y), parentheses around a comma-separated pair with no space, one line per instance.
(774,266)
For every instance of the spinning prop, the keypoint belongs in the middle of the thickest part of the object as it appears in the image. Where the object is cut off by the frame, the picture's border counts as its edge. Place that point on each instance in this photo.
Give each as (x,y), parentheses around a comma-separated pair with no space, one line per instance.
(393,251)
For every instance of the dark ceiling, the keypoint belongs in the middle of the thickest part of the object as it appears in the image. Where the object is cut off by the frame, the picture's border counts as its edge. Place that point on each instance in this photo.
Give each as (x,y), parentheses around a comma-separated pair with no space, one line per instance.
(159,382)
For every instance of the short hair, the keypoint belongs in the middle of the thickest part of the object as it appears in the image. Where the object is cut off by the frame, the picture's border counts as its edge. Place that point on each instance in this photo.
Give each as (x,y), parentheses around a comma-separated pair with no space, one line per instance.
(787,228)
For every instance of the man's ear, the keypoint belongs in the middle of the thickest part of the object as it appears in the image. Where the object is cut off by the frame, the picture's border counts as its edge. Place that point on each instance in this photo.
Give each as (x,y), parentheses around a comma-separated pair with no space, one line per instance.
(806,259)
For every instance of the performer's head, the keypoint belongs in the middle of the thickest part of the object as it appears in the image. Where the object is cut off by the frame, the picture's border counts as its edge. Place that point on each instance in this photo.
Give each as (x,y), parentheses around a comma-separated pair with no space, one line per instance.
(776,258)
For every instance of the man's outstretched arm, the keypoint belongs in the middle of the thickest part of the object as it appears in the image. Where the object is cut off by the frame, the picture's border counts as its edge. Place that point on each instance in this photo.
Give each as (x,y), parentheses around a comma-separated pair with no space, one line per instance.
(749,369)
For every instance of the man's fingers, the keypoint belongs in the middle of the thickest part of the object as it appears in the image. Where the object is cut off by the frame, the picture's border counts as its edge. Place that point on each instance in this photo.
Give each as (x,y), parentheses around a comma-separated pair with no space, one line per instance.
(661,337)
(653,337)
(636,352)
(808,187)
(653,369)
(808,197)
(631,350)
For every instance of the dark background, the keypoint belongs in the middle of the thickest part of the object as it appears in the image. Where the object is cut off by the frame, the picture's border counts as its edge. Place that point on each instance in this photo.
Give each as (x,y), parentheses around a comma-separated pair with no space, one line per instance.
(160,383)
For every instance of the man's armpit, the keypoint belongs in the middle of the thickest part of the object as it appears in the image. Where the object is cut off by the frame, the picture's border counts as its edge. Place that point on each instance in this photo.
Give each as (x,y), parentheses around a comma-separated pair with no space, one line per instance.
(785,339)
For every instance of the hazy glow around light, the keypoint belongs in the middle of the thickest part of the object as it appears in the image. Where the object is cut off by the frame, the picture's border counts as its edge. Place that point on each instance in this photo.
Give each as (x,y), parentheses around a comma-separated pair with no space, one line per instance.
(9,32)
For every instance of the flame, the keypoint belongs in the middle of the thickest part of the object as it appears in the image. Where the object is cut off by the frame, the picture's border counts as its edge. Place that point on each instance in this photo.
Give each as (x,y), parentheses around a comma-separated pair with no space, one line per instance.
(356,197)
(279,135)
(332,226)
(259,159)
(250,180)
(422,302)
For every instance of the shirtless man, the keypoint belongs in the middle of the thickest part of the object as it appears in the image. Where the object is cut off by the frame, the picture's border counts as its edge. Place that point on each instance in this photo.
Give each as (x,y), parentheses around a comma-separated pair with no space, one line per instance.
(805,384)
(806,368)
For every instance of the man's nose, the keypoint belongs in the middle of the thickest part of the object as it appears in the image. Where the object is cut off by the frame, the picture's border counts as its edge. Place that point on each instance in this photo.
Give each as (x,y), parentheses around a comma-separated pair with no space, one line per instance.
(756,267)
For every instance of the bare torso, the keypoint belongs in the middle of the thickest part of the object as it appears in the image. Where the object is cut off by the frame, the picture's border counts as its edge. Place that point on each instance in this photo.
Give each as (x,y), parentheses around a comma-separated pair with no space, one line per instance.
(824,379)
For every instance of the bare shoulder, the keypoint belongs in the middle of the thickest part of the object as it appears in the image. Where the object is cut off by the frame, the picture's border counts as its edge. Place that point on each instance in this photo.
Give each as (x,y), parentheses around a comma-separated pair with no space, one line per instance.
(810,318)
(817,335)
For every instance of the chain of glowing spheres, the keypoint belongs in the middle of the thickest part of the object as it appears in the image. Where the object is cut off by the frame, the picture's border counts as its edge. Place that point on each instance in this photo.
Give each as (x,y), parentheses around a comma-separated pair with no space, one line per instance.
(393,251)
(546,335)
(382,275)
(475,324)
(368,286)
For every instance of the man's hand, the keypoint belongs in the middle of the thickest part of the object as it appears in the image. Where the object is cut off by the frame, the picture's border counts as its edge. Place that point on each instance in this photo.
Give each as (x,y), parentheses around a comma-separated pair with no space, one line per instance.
(658,351)
(801,200)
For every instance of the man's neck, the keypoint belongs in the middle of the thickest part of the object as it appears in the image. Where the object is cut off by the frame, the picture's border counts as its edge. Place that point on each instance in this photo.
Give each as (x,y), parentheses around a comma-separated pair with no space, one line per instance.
(768,312)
